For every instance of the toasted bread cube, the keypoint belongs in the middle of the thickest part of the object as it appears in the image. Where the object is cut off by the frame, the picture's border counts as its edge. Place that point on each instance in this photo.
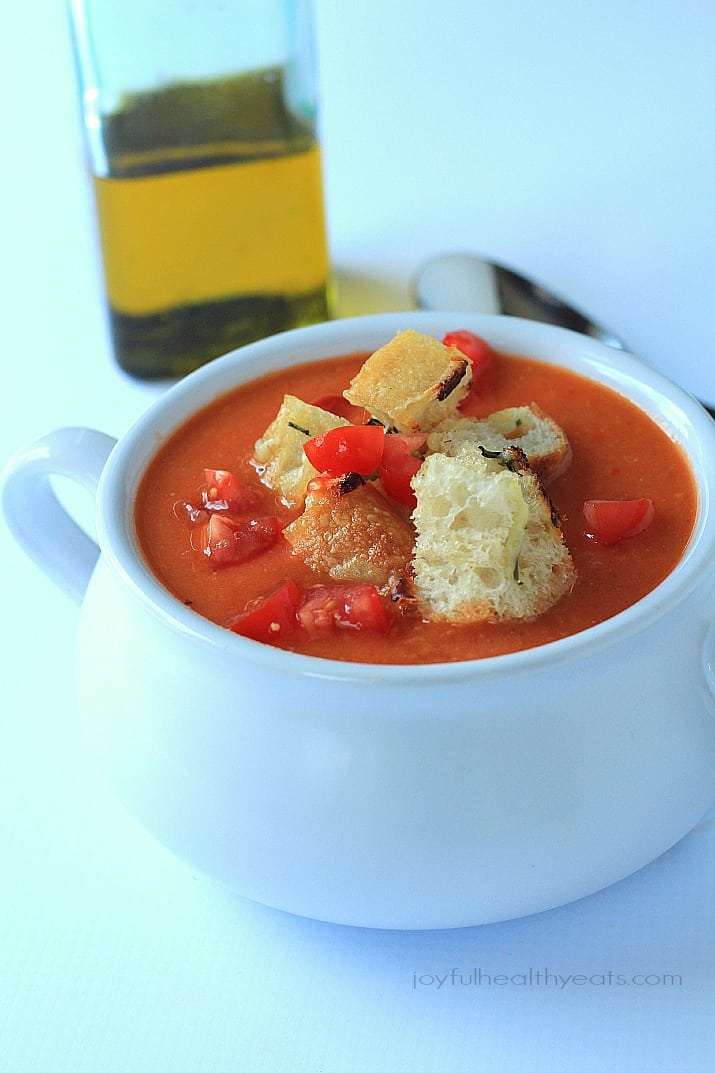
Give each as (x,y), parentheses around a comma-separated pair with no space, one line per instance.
(488,543)
(279,453)
(412,383)
(544,443)
(349,532)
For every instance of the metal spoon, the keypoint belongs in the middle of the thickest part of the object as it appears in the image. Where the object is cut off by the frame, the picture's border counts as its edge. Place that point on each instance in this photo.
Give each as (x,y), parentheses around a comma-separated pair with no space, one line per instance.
(463,281)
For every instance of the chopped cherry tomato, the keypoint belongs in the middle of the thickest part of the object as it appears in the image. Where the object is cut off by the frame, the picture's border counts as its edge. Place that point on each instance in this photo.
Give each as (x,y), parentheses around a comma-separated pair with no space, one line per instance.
(348,449)
(399,465)
(399,444)
(224,491)
(473,346)
(228,541)
(339,405)
(350,606)
(397,482)
(271,616)
(611,520)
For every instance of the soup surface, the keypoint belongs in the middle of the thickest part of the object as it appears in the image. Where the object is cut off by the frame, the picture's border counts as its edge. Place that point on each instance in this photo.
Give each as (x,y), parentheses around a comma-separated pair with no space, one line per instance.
(619,453)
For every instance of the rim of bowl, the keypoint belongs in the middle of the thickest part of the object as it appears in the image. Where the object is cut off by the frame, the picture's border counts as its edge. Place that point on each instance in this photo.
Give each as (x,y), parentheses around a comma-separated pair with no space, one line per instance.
(670,406)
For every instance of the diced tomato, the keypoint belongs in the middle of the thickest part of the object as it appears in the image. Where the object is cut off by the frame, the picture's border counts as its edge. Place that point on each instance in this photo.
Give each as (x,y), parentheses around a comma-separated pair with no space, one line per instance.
(399,444)
(399,465)
(271,616)
(397,482)
(348,449)
(349,606)
(611,520)
(228,541)
(471,345)
(225,491)
(339,405)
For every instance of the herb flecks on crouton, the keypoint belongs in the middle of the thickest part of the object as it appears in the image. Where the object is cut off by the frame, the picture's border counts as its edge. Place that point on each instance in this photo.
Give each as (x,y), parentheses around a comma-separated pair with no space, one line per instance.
(542,440)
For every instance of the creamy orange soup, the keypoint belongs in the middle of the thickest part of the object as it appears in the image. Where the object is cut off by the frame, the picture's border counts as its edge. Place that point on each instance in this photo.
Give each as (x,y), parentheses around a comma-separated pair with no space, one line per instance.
(618,453)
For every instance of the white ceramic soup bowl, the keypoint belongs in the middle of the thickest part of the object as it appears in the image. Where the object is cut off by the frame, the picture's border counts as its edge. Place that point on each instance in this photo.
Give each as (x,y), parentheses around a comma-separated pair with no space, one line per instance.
(386,796)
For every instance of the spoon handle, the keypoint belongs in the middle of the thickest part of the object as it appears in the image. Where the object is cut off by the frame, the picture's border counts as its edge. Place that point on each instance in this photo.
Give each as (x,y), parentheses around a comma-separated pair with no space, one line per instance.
(463,281)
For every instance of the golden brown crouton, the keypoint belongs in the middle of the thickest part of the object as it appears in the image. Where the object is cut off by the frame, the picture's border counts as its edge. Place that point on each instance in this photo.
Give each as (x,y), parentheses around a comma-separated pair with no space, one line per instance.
(279,454)
(488,541)
(543,441)
(411,383)
(349,532)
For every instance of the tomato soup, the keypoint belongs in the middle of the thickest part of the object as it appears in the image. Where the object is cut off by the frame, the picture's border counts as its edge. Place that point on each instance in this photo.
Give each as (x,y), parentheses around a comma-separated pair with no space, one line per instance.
(619,453)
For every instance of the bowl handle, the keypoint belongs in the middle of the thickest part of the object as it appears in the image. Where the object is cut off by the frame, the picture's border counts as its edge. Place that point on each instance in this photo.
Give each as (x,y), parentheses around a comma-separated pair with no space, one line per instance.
(42,526)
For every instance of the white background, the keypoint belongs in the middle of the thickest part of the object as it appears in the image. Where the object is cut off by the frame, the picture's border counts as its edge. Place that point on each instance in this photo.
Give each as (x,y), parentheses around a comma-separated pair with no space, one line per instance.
(574,140)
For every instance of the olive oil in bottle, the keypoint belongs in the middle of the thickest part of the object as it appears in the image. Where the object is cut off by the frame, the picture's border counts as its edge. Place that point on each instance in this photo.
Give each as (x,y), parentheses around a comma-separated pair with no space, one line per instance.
(210,211)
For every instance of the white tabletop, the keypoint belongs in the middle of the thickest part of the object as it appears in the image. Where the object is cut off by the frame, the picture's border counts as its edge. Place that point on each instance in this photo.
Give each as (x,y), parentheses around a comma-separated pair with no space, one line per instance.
(574,141)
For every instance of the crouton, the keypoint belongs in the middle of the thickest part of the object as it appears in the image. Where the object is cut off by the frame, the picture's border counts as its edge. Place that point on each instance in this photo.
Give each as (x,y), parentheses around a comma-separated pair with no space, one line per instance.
(488,542)
(412,383)
(544,443)
(279,455)
(349,531)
